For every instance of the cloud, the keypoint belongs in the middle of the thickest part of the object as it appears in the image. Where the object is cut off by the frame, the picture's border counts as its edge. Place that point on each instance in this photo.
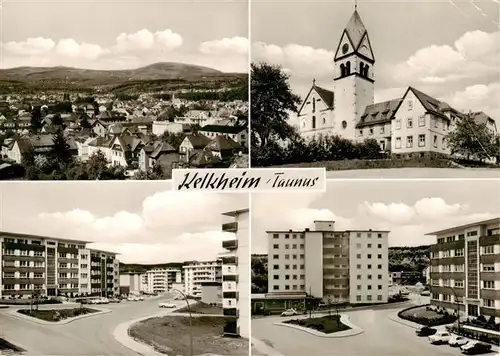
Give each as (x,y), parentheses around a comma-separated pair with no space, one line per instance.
(170,226)
(71,48)
(147,40)
(234,45)
(30,47)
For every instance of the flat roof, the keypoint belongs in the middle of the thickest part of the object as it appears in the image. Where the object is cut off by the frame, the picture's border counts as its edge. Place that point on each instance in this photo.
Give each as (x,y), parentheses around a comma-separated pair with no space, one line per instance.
(18,234)
(102,251)
(213,284)
(235,213)
(483,222)
(310,230)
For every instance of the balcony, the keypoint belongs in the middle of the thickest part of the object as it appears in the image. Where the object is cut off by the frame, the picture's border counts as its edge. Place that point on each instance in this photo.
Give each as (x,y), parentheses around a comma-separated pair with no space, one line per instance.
(230,295)
(231,328)
(230,227)
(230,244)
(230,278)
(230,260)
(231,312)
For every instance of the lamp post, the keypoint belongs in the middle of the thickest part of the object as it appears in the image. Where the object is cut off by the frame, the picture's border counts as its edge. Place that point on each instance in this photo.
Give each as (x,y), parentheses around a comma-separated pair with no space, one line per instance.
(190,321)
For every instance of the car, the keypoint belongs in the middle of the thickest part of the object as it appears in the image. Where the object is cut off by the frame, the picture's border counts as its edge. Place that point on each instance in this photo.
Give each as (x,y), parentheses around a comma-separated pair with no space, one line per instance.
(425,293)
(114,300)
(140,298)
(104,301)
(426,331)
(289,312)
(441,337)
(166,305)
(456,341)
(132,299)
(475,348)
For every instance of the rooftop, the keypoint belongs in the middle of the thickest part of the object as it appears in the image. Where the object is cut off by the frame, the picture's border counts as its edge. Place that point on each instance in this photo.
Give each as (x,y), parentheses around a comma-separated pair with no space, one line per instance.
(22,235)
(235,213)
(461,227)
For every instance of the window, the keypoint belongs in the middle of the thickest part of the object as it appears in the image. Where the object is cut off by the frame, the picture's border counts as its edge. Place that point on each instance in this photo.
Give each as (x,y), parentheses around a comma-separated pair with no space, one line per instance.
(369,266)
(287,276)
(458,284)
(358,245)
(379,236)
(379,276)
(382,129)
(287,287)
(371,130)
(358,298)
(436,122)
(488,268)
(369,245)
(409,122)
(488,250)
(421,120)
(358,276)
(287,257)
(398,124)
(435,141)
(369,256)
(276,267)
(369,298)
(369,276)
(379,256)
(276,287)
(410,104)
(276,246)
(459,252)
(358,255)
(398,142)
(275,236)
(490,303)
(358,266)
(358,287)
(287,236)
(421,140)
(314,122)
(287,247)
(294,246)
(314,104)
(369,287)
(379,287)
(276,257)
(379,266)
(360,132)
(38,253)
(409,142)
(489,284)
(358,234)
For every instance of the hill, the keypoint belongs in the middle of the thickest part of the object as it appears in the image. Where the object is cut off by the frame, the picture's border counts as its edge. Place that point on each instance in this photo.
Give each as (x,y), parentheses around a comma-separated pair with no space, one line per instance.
(134,267)
(67,78)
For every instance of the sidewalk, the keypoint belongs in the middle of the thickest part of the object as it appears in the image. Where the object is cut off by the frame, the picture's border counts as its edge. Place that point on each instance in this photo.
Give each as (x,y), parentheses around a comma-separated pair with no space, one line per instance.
(263,349)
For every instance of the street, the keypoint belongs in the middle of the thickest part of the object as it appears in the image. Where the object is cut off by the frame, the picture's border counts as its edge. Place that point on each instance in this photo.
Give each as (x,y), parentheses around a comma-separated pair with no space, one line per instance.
(381,337)
(88,336)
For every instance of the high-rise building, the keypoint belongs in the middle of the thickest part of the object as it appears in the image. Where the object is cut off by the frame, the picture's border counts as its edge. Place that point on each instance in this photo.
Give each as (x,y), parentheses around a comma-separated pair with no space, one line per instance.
(465,269)
(54,266)
(161,280)
(236,274)
(198,272)
(343,266)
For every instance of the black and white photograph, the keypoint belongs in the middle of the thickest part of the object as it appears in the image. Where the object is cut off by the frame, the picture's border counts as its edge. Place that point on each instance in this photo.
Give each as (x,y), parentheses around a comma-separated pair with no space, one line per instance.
(377,268)
(371,89)
(119,268)
(122,90)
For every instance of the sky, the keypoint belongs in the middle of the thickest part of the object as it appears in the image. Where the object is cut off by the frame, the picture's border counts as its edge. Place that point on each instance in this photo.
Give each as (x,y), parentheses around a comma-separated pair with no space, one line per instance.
(448,49)
(143,222)
(105,35)
(408,209)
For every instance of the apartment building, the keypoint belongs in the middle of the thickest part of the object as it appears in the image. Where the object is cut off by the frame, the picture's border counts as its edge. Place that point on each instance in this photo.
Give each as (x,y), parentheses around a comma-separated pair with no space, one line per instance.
(198,272)
(132,283)
(236,274)
(161,280)
(465,269)
(343,266)
(52,265)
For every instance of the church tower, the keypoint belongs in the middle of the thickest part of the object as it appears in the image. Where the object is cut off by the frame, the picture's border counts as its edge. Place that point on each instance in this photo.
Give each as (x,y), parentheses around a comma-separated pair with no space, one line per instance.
(353,78)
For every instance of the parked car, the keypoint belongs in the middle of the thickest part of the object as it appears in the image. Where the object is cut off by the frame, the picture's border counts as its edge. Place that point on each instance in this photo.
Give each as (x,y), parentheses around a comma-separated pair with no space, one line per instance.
(425,293)
(140,298)
(166,305)
(132,299)
(426,331)
(475,348)
(103,301)
(441,337)
(456,341)
(289,312)
(114,300)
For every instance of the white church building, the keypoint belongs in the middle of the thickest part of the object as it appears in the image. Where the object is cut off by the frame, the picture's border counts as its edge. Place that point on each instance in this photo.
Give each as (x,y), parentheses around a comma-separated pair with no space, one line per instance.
(415,124)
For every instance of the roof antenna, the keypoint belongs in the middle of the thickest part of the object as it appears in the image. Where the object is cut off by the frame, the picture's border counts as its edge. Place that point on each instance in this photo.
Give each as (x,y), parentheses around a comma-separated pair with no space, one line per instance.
(355,5)
(314,82)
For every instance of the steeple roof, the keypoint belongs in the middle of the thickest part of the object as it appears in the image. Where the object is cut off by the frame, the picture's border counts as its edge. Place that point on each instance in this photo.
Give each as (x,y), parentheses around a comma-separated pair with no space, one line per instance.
(355,29)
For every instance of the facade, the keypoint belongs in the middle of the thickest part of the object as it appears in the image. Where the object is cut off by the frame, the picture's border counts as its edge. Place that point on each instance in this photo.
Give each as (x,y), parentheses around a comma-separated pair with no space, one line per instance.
(196,273)
(236,274)
(415,124)
(343,266)
(54,266)
(133,282)
(161,280)
(211,293)
(465,269)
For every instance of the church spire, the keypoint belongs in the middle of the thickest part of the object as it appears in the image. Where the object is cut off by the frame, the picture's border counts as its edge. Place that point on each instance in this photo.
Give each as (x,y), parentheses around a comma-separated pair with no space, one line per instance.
(355,28)
(355,5)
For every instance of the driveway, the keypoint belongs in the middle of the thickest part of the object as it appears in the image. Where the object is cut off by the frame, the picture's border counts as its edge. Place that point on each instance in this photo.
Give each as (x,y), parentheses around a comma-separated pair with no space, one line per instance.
(398,173)
(381,337)
(88,336)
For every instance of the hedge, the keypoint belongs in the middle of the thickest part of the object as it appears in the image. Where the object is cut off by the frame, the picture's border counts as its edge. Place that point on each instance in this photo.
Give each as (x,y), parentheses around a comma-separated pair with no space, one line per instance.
(442,320)
(481,336)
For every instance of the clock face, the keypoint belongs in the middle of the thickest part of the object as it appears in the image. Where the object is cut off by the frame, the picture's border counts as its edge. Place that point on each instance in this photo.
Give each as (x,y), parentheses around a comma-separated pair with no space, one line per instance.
(345,48)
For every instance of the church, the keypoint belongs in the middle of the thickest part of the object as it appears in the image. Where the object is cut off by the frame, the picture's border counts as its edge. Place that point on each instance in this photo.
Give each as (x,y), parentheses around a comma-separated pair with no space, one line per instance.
(414,125)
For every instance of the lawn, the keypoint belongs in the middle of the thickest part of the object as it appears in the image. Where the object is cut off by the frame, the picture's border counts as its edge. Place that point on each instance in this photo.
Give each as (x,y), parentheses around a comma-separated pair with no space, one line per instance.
(7,346)
(423,316)
(201,308)
(325,324)
(57,315)
(170,335)
(27,301)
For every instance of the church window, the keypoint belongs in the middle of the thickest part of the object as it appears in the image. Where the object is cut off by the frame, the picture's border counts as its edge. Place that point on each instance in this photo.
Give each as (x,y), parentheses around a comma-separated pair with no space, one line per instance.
(435,141)
(421,140)
(365,70)
(324,120)
(409,122)
(398,142)
(362,68)
(344,124)
(342,70)
(371,130)
(314,104)
(348,68)
(409,142)
(314,122)
(382,129)
(360,132)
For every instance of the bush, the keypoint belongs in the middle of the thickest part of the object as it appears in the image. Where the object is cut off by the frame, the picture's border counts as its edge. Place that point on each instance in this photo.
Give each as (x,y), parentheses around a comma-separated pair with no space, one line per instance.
(484,337)
(441,320)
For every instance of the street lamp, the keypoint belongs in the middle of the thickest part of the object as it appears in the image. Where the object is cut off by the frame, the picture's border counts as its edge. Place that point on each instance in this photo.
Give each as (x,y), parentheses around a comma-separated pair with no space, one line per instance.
(190,320)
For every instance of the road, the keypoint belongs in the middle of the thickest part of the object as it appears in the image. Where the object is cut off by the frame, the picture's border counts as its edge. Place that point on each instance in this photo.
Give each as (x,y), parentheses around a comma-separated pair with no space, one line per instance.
(413,173)
(381,337)
(87,336)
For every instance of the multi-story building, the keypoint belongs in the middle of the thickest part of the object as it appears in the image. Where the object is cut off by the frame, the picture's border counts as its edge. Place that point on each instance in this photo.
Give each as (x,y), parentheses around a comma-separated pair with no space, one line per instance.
(132,283)
(236,274)
(104,273)
(465,269)
(52,265)
(161,280)
(196,273)
(343,266)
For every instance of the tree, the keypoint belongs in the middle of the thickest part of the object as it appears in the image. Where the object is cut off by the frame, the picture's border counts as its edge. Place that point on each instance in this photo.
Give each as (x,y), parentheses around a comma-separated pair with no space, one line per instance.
(36,120)
(272,100)
(84,123)
(57,120)
(61,151)
(330,301)
(173,139)
(472,140)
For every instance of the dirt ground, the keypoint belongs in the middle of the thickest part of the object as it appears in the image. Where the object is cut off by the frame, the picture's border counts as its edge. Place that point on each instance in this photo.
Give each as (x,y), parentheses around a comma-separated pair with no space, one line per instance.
(170,335)
(202,308)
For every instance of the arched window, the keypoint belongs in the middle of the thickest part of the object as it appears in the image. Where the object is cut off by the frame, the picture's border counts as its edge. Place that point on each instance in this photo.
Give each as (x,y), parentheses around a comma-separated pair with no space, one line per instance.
(344,124)
(314,122)
(361,68)
(314,104)
(342,70)
(348,68)
(366,70)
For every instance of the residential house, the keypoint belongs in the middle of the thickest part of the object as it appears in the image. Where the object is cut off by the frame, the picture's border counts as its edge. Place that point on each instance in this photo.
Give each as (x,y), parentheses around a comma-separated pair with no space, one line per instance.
(158,153)
(191,144)
(223,147)
(236,133)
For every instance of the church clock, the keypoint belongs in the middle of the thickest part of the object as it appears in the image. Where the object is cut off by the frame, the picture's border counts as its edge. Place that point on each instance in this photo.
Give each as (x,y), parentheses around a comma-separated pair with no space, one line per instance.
(345,48)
